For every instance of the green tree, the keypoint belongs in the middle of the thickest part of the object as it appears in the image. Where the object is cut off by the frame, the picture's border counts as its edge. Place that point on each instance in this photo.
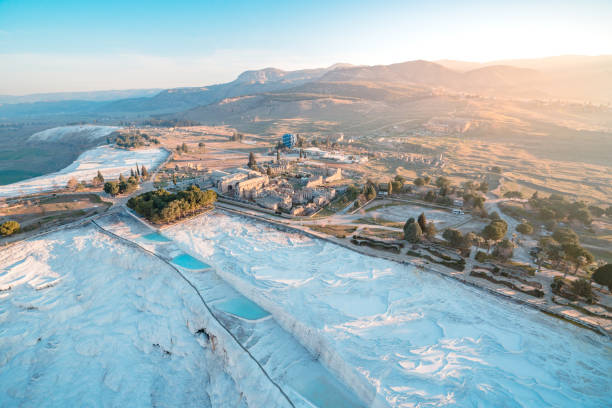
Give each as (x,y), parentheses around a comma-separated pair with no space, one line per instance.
(565,236)
(549,249)
(278,155)
(422,220)
(496,230)
(525,228)
(412,231)
(111,187)
(603,276)
(418,182)
(9,228)
(484,187)
(596,211)
(577,255)
(144,173)
(443,182)
(547,214)
(390,188)
(455,238)
(584,216)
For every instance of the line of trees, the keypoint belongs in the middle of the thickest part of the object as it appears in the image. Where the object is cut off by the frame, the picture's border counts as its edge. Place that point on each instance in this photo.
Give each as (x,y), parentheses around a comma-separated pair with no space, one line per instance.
(136,139)
(564,247)
(161,206)
(123,186)
(416,230)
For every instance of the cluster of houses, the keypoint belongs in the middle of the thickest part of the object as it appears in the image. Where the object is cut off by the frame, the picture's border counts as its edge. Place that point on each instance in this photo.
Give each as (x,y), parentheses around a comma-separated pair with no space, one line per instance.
(303,196)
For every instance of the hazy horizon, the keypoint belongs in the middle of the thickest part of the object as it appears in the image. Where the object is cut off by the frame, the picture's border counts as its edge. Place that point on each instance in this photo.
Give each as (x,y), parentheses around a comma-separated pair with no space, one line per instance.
(439,61)
(71,47)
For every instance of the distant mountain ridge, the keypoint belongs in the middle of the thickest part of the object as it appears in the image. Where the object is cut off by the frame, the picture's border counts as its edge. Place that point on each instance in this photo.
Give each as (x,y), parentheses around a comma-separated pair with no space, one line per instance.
(78,96)
(567,77)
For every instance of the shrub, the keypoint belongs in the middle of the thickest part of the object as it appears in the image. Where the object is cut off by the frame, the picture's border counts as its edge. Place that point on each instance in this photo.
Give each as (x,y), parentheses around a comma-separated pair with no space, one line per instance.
(9,228)
(513,194)
(430,230)
(481,256)
(582,287)
(525,228)
(72,184)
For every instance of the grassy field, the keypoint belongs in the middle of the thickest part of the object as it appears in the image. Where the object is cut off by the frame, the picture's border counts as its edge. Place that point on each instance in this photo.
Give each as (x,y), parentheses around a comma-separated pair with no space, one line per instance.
(380,221)
(338,231)
(42,212)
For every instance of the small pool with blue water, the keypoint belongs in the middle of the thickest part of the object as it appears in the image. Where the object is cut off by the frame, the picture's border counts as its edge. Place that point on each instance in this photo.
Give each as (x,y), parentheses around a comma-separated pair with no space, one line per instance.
(156,236)
(189,262)
(242,307)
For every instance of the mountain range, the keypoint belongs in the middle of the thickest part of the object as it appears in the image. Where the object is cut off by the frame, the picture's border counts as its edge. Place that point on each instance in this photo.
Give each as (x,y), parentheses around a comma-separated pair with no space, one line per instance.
(576,78)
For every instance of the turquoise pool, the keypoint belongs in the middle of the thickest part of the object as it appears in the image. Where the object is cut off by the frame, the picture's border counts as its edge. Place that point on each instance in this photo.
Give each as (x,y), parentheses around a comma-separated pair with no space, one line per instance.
(324,391)
(156,236)
(189,262)
(242,307)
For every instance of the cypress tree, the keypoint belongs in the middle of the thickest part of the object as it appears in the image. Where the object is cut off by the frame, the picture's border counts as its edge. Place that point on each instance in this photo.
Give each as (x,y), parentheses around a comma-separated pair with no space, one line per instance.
(422,221)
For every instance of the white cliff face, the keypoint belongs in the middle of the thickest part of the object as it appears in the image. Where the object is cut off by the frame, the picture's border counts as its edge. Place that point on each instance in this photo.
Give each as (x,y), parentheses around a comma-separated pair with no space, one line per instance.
(85,321)
(110,161)
(77,133)
(412,337)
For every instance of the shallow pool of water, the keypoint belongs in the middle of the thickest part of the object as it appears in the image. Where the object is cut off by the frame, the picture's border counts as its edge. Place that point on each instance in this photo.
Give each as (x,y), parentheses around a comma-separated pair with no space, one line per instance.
(156,236)
(324,391)
(189,262)
(242,307)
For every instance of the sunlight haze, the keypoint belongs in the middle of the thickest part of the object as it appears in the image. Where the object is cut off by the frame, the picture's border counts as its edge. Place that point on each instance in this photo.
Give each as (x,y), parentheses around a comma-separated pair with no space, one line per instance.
(95,45)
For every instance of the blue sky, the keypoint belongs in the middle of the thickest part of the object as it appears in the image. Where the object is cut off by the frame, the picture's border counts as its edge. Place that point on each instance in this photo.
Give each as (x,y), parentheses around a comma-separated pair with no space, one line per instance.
(48,46)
